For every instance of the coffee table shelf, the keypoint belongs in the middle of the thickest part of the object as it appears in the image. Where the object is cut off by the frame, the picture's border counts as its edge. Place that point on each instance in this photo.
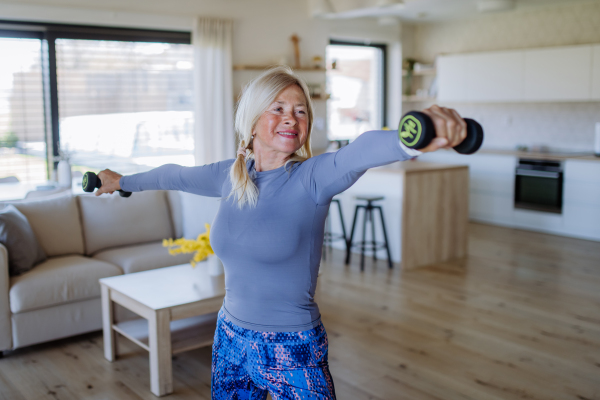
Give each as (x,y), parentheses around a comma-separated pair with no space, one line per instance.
(186,334)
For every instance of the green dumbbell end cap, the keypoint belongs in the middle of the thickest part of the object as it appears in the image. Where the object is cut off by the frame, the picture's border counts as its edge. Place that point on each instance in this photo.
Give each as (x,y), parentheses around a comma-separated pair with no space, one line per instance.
(410,130)
(89,182)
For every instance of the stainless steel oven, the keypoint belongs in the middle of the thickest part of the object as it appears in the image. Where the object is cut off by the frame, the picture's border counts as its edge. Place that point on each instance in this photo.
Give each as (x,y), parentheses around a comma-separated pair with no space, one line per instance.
(539,185)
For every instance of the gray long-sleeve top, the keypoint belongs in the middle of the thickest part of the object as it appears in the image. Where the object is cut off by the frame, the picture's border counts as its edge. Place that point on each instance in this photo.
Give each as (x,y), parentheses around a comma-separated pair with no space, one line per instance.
(271,253)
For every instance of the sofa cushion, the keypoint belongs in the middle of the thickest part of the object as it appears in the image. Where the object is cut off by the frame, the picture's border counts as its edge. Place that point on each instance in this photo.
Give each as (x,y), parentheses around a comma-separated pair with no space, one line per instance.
(16,235)
(115,221)
(56,222)
(59,280)
(174,198)
(142,257)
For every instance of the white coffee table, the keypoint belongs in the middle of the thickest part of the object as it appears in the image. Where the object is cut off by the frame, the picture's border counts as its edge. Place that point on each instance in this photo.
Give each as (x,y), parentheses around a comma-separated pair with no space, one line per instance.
(178,305)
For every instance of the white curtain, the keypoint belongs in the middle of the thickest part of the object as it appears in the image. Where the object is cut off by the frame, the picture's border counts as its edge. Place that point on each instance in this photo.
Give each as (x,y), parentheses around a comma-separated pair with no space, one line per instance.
(213,104)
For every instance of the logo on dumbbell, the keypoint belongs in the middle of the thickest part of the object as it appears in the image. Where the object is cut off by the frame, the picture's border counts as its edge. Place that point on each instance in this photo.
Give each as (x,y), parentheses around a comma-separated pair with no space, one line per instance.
(410,130)
(85,181)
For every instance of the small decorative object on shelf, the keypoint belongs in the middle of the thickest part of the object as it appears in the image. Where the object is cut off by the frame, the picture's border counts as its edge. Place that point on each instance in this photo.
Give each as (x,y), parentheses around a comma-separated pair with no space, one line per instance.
(317,61)
(315,90)
(408,65)
(295,40)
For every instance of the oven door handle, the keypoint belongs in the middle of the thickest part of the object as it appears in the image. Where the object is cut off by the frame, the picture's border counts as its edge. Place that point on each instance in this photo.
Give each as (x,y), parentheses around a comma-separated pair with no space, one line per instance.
(540,174)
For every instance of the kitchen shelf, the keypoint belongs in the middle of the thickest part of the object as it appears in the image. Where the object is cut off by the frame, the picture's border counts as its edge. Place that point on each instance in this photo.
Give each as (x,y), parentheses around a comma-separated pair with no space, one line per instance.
(419,80)
(264,67)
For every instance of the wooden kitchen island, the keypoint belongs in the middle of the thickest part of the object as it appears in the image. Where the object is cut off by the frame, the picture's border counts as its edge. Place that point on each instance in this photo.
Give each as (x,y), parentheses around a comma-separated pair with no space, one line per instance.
(426,209)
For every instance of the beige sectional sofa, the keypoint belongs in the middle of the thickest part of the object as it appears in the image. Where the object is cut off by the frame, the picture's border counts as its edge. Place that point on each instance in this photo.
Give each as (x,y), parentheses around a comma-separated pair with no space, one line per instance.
(87,238)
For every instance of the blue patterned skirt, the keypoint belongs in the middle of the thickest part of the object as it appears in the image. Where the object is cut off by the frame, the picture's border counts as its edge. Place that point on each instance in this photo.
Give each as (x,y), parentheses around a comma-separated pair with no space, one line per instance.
(248,364)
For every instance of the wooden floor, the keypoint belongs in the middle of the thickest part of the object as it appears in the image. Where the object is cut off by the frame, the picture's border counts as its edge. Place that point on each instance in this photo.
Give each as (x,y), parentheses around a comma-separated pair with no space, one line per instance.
(518,319)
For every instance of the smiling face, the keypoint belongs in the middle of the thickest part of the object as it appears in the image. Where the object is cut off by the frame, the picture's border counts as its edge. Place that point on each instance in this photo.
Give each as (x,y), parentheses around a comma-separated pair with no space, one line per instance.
(283,128)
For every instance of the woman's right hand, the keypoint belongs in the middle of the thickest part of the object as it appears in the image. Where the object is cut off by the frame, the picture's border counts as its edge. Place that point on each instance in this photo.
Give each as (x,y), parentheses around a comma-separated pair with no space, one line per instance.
(110,182)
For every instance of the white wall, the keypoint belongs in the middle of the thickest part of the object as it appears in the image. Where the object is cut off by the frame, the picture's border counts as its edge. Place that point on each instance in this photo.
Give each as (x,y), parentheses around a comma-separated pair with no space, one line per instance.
(262,29)
(568,126)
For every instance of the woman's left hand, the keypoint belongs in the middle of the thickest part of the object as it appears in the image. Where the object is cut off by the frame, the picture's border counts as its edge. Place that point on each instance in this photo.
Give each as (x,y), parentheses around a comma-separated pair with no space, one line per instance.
(450,128)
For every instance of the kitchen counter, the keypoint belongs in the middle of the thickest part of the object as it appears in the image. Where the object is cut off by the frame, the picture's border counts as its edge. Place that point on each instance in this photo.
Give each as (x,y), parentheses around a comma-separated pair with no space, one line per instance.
(407,167)
(542,155)
(426,209)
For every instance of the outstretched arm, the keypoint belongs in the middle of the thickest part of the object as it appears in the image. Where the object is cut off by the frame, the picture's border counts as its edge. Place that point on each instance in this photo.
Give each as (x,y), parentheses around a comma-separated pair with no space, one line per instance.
(205,180)
(332,173)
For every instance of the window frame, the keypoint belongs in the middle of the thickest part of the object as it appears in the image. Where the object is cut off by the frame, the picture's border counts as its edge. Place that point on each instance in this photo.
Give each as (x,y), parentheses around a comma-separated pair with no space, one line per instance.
(50,32)
(384,60)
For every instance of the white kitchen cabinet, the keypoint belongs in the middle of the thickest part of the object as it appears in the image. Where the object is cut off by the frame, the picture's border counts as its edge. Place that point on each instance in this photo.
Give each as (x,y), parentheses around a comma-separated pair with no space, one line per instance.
(491,194)
(496,76)
(570,73)
(452,77)
(559,73)
(596,72)
(491,183)
(581,198)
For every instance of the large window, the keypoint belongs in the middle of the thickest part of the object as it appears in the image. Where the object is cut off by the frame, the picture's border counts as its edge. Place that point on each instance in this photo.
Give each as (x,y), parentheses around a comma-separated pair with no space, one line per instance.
(125,104)
(106,98)
(356,82)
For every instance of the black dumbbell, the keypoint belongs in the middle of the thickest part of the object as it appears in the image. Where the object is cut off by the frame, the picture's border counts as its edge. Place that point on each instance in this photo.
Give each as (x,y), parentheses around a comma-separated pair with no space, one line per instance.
(416,131)
(91,181)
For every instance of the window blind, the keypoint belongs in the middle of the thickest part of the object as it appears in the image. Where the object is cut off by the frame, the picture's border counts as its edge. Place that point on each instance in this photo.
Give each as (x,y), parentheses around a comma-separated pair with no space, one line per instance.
(22,122)
(123,105)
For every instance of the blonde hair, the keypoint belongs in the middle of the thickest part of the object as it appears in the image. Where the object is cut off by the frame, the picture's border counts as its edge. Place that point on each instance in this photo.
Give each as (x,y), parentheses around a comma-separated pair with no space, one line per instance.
(257,96)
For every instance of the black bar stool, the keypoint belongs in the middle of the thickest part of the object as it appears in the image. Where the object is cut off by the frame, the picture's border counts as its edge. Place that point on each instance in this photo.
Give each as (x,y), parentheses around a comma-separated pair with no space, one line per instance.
(371,245)
(330,237)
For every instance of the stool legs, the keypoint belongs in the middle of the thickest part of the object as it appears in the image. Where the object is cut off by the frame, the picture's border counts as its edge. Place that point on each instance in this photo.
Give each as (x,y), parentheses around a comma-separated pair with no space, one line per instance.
(330,237)
(364,237)
(373,241)
(342,221)
(385,239)
(372,244)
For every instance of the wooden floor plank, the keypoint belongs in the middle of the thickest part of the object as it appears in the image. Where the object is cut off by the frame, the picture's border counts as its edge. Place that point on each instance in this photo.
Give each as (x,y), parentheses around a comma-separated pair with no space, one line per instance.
(519,318)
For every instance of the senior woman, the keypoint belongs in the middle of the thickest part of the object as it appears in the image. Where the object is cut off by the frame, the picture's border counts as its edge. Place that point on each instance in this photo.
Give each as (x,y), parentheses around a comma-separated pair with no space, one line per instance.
(268,232)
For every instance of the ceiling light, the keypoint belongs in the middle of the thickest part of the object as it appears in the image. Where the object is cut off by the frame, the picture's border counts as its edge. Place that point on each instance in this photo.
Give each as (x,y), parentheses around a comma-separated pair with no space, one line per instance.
(382,8)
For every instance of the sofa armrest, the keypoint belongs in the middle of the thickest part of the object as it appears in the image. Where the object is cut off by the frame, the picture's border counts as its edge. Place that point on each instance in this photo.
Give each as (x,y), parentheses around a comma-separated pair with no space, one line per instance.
(5,320)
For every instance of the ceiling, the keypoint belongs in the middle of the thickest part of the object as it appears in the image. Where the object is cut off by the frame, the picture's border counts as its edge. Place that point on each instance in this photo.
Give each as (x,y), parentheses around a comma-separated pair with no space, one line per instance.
(428,10)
